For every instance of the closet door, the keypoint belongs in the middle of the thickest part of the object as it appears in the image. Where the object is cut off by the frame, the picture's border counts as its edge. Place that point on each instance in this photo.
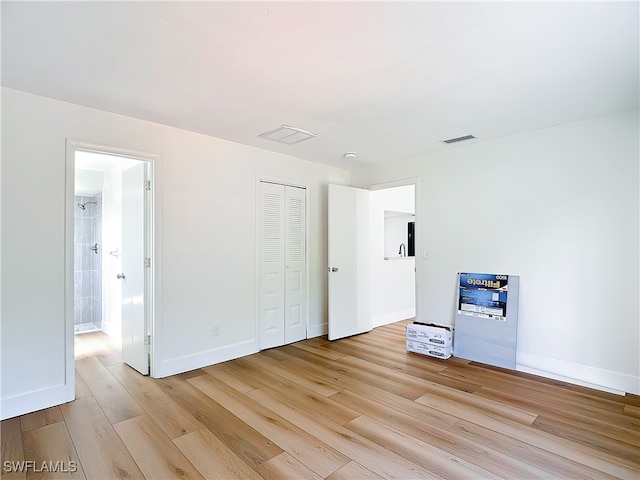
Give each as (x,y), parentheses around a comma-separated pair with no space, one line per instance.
(271,279)
(282,278)
(295,274)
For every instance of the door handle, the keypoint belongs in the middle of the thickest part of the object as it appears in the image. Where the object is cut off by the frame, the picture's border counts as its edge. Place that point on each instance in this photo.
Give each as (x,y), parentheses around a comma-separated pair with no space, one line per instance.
(120,276)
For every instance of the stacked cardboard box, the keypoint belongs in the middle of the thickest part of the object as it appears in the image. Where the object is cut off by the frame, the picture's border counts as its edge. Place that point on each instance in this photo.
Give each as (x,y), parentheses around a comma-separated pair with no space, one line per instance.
(430,339)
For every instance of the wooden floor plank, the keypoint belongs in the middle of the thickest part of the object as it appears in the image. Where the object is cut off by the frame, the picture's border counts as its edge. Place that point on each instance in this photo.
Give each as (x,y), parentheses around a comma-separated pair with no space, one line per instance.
(247,443)
(574,417)
(456,445)
(40,418)
(153,451)
(82,391)
(352,471)
(51,450)
(363,451)
(314,454)
(301,378)
(212,458)
(12,450)
(100,449)
(116,402)
(587,456)
(285,466)
(167,414)
(421,453)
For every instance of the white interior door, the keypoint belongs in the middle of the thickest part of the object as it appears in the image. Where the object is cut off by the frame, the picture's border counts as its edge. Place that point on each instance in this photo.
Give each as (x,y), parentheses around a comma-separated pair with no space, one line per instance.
(349,305)
(295,275)
(271,281)
(135,351)
(282,277)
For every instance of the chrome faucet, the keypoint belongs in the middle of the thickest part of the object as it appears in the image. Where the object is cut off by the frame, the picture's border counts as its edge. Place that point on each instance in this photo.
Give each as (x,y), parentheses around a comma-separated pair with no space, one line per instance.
(403,250)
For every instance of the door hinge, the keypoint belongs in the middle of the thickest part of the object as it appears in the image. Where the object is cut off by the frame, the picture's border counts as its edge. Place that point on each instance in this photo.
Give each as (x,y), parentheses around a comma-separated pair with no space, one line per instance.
(147,262)
(147,185)
(147,340)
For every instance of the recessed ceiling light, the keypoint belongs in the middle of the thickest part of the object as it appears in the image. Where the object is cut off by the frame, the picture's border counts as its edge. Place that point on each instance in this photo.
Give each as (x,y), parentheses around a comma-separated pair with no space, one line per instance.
(350,155)
(287,134)
(458,139)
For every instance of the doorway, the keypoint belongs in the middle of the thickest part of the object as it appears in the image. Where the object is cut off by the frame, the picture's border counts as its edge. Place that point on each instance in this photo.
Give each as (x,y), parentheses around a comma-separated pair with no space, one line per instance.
(369,287)
(110,208)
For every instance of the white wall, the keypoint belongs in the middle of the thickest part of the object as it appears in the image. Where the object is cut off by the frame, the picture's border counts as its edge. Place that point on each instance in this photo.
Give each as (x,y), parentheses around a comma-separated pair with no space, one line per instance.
(205,199)
(560,208)
(392,281)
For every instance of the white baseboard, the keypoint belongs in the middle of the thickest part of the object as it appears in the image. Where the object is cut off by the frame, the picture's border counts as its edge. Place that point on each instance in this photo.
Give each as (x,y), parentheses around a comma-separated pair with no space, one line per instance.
(597,378)
(393,317)
(317,330)
(37,400)
(174,366)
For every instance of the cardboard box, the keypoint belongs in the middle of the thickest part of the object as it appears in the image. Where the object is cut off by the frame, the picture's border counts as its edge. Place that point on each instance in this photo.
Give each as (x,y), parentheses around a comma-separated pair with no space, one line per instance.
(430,333)
(429,349)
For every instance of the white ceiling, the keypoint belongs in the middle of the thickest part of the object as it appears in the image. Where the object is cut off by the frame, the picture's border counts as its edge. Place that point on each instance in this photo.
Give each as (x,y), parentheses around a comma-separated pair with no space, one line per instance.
(388,80)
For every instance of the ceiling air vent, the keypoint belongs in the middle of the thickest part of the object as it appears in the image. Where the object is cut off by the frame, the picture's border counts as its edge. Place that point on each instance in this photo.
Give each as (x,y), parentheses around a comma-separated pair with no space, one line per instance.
(287,134)
(458,139)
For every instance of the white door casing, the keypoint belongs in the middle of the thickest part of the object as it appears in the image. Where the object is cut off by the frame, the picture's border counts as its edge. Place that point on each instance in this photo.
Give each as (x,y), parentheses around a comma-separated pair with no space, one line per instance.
(348,231)
(282,264)
(135,350)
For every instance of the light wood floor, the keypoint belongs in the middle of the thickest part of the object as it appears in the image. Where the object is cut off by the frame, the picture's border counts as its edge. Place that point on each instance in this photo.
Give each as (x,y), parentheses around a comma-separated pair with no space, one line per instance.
(360,407)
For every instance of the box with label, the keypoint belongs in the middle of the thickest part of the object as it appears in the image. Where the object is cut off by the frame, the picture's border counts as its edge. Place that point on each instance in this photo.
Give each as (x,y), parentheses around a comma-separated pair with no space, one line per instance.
(430,333)
(429,349)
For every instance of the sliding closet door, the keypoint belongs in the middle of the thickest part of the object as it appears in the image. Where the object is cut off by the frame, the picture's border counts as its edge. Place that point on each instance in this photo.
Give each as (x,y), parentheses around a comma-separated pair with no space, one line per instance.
(282,250)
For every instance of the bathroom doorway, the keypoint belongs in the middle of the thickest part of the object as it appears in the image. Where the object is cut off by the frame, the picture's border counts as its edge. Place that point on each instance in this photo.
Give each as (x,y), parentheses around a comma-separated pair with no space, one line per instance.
(112,280)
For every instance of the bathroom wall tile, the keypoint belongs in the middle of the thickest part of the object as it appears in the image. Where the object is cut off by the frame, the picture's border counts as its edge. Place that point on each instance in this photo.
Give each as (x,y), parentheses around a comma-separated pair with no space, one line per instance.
(96,311)
(77,257)
(86,257)
(87,283)
(96,284)
(87,304)
(97,229)
(85,230)
(77,284)
(77,311)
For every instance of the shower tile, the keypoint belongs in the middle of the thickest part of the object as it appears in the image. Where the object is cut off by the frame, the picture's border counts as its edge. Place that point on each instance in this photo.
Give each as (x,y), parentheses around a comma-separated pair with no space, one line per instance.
(77,232)
(97,229)
(85,230)
(96,285)
(87,283)
(77,311)
(86,257)
(87,304)
(77,257)
(77,284)
(96,311)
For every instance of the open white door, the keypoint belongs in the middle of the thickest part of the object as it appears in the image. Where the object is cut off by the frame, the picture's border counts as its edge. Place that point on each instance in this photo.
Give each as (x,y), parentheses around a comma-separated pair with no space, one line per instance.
(349,305)
(135,351)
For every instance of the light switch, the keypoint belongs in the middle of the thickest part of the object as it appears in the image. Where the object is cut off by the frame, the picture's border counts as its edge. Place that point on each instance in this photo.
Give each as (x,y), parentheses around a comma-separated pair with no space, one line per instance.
(425,254)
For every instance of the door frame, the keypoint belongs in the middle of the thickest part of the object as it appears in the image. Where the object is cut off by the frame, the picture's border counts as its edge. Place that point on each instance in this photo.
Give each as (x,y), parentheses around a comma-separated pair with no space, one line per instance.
(152,247)
(257,200)
(415,181)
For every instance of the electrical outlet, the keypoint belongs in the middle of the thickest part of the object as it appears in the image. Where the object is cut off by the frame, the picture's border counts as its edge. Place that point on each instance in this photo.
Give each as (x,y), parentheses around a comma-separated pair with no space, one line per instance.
(215,331)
